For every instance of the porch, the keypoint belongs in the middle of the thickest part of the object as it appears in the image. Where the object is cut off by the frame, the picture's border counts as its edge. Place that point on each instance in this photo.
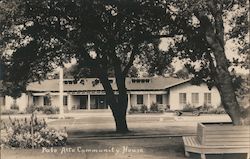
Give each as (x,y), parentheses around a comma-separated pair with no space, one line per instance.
(97,100)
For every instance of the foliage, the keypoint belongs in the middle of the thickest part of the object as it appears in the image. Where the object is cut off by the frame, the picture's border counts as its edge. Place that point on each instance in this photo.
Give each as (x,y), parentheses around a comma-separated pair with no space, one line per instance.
(188,108)
(111,34)
(100,35)
(43,109)
(205,109)
(183,73)
(18,134)
(9,112)
(144,109)
(218,110)
(134,109)
(14,106)
(50,109)
(154,108)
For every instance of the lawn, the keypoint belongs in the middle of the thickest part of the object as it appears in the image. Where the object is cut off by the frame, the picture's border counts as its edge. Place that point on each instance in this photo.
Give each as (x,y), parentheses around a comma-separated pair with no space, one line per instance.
(144,148)
(153,136)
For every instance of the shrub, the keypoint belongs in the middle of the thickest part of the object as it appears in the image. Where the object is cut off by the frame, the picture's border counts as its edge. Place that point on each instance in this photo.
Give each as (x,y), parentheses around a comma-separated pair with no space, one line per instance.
(206,108)
(188,108)
(43,109)
(14,106)
(50,110)
(212,110)
(144,109)
(154,107)
(245,112)
(18,134)
(157,108)
(134,109)
(31,109)
(162,108)
(167,108)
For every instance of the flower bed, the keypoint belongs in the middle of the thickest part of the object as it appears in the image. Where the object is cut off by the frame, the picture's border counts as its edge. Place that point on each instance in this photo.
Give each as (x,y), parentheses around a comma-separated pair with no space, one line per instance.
(154,108)
(18,133)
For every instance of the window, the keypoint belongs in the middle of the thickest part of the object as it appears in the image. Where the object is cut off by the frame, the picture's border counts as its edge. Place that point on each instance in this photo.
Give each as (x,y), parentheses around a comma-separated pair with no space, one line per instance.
(65,100)
(159,99)
(139,99)
(70,82)
(195,98)
(207,98)
(35,100)
(140,80)
(46,100)
(183,98)
(2,101)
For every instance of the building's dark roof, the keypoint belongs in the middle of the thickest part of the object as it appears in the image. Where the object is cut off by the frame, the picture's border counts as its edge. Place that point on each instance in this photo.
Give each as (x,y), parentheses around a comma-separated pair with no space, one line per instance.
(155,83)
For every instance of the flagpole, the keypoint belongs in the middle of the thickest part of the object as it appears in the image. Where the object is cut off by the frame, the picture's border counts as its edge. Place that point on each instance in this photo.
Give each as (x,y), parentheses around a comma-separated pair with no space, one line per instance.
(61,109)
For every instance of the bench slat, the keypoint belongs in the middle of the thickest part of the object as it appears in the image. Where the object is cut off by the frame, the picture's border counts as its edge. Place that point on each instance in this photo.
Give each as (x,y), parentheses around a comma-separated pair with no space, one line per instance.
(227,139)
(218,139)
(227,144)
(196,143)
(228,129)
(228,136)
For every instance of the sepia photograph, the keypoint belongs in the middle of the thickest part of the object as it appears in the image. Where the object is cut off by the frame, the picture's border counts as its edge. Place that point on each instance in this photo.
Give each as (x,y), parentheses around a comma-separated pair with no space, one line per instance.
(124,79)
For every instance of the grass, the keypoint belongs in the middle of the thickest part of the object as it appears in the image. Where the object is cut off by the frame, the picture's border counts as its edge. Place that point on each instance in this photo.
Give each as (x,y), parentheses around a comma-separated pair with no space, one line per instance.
(84,129)
(158,148)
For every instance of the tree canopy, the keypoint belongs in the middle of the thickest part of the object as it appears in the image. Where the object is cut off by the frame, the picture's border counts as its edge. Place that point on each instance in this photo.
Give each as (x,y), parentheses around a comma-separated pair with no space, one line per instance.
(100,35)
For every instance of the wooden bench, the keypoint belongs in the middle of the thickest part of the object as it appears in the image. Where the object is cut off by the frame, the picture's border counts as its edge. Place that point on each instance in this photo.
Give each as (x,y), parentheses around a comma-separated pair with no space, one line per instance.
(218,139)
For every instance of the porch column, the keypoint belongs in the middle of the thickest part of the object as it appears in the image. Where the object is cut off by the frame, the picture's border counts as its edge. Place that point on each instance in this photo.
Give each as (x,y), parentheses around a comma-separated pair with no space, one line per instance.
(148,101)
(69,102)
(30,99)
(61,109)
(8,102)
(88,107)
(129,103)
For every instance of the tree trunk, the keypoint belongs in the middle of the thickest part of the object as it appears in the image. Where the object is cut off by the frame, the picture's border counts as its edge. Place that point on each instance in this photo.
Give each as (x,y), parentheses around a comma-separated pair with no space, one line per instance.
(118,106)
(119,110)
(122,99)
(225,87)
(214,34)
(120,118)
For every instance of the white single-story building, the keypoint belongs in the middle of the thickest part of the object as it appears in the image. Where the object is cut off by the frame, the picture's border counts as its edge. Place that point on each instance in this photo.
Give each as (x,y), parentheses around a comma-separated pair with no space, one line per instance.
(88,94)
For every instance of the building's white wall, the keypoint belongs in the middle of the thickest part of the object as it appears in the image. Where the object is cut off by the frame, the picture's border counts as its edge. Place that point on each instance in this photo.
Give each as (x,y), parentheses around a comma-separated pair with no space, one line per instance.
(189,89)
(171,99)
(165,99)
(152,97)
(30,100)
(21,102)
(70,102)
(55,101)
(133,99)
